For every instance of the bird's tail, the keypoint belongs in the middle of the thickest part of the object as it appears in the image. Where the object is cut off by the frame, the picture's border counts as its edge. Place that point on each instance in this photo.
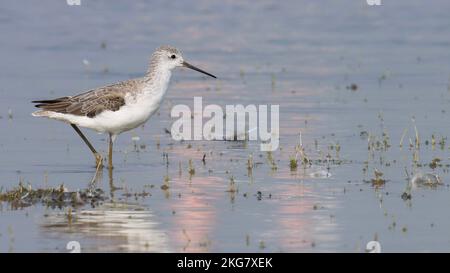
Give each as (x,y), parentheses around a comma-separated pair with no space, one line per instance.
(48,106)
(40,113)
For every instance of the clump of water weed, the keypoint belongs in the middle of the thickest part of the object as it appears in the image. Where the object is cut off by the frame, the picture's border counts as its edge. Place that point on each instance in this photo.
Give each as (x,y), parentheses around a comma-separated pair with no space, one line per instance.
(435,163)
(25,196)
(378,180)
(293,164)
(299,152)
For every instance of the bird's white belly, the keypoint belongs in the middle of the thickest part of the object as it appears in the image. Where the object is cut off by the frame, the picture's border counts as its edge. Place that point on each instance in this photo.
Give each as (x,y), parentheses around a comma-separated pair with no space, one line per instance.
(129,116)
(126,118)
(119,121)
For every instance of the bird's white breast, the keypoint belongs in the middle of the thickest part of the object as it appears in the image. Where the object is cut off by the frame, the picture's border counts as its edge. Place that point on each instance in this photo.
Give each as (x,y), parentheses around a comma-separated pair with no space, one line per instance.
(137,110)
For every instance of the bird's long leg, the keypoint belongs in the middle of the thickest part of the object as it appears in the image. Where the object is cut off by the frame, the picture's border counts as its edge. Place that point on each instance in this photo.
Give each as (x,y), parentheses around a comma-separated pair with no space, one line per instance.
(110,152)
(98,157)
(113,188)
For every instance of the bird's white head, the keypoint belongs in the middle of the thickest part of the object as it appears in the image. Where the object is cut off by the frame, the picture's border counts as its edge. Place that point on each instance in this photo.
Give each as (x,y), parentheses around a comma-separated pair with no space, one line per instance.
(168,58)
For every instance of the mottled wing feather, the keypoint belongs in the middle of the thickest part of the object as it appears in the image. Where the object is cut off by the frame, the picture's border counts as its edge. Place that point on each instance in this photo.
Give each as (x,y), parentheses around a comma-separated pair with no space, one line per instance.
(92,102)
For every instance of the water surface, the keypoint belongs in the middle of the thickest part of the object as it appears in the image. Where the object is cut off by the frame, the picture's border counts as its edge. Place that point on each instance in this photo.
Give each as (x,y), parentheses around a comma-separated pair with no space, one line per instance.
(301,55)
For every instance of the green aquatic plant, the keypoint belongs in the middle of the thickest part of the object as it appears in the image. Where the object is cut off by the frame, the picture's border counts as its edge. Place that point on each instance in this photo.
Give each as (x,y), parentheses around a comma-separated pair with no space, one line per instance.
(378,180)
(271,161)
(293,163)
(435,163)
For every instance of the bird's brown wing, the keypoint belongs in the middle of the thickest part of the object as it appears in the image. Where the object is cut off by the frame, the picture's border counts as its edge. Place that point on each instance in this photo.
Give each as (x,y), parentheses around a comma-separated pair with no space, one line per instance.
(93,102)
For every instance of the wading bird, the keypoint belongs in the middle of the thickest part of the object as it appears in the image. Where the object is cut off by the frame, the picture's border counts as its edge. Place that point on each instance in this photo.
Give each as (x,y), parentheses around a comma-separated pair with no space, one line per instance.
(119,107)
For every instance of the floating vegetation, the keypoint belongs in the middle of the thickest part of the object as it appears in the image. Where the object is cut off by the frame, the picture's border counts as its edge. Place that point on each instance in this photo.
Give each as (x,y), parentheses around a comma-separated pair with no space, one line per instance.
(378,180)
(299,153)
(436,162)
(379,144)
(25,196)
(136,195)
(293,164)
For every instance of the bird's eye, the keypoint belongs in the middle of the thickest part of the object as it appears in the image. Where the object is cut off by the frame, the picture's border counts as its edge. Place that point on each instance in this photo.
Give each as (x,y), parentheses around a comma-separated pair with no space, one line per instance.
(173,56)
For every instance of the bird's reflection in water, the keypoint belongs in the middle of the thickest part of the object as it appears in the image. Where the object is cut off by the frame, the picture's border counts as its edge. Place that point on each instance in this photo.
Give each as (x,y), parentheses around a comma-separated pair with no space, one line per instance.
(112,227)
(98,177)
(115,226)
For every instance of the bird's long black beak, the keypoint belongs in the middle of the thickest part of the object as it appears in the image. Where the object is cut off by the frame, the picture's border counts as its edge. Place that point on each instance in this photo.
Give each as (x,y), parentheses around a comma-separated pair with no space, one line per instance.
(188,65)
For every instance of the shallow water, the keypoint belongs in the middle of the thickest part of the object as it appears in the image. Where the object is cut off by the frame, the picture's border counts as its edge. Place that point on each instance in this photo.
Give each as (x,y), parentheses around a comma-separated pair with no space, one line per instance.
(302,55)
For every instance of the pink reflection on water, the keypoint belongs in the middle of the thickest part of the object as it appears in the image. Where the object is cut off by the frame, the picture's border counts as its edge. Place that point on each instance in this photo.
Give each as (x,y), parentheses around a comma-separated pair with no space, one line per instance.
(196,212)
(295,224)
(302,218)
